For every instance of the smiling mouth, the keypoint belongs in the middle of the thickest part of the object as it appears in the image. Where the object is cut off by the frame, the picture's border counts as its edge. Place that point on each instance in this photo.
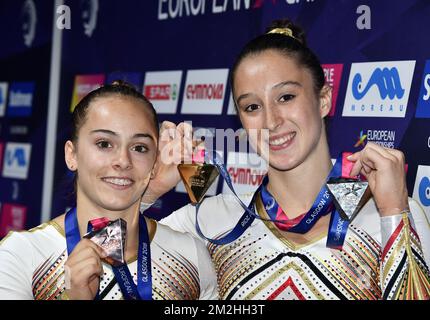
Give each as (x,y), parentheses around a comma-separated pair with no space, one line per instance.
(282,141)
(119,182)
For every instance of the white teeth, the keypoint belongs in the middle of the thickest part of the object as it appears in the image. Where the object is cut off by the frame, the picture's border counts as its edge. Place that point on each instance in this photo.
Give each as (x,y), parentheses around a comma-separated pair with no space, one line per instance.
(280,141)
(119,182)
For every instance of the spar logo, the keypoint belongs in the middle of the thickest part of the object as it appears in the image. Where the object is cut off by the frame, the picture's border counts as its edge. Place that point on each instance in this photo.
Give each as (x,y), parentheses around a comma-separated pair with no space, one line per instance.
(162,89)
(423,105)
(204,91)
(246,171)
(3,95)
(378,89)
(333,74)
(422,188)
(16,160)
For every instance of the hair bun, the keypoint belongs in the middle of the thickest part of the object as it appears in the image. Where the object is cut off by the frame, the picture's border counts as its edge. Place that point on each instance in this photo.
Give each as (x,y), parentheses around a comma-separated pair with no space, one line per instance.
(297,31)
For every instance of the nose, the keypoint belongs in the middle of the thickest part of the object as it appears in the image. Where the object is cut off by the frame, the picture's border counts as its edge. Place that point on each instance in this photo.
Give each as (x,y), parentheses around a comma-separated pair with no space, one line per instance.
(122,160)
(273,118)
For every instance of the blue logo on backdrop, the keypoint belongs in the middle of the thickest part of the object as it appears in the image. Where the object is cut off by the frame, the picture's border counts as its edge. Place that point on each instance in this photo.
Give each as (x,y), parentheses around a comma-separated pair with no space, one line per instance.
(423,104)
(16,155)
(20,99)
(387,80)
(424,191)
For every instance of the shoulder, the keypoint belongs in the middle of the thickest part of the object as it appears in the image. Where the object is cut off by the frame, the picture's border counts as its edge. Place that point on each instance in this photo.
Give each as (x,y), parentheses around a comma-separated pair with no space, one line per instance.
(44,237)
(219,204)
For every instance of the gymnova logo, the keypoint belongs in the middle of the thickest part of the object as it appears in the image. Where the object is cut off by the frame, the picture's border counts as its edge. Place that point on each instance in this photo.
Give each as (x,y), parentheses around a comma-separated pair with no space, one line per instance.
(378,89)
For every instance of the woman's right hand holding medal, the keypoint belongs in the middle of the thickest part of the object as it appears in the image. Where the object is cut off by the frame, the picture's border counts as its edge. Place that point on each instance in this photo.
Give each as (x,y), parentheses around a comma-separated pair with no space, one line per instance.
(83,270)
(175,146)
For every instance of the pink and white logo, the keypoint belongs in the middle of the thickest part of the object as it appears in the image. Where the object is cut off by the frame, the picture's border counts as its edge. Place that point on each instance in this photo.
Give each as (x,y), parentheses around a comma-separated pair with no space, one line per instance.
(84,84)
(333,74)
(246,171)
(204,91)
(13,217)
(162,89)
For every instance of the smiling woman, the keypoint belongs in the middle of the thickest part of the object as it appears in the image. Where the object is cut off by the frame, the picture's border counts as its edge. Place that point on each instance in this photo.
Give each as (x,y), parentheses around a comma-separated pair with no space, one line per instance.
(297,246)
(113,152)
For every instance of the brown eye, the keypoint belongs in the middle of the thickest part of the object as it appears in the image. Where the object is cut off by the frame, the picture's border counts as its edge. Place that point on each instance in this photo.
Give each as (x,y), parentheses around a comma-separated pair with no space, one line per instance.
(140,148)
(286,97)
(252,107)
(103,144)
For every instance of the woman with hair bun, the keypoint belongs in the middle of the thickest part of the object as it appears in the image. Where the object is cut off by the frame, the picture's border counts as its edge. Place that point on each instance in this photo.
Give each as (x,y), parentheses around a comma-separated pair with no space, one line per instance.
(294,250)
(113,151)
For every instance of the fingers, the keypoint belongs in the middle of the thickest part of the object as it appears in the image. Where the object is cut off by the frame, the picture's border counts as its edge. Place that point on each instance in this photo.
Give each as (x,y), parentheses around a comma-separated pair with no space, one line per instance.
(83,269)
(375,157)
(86,248)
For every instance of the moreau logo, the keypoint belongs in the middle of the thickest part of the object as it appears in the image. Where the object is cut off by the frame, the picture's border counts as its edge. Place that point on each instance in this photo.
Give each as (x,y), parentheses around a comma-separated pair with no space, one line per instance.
(378,89)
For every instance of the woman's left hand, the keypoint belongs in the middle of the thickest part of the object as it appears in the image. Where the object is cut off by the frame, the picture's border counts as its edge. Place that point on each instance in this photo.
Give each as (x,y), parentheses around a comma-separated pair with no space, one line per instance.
(384,169)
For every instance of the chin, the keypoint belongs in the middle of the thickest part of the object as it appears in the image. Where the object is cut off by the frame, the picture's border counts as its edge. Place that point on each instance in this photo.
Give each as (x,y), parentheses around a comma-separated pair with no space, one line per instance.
(117,205)
(282,164)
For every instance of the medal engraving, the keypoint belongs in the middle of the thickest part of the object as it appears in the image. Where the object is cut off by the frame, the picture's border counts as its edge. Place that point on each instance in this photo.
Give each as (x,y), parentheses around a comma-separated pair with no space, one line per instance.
(197,178)
(112,239)
(349,195)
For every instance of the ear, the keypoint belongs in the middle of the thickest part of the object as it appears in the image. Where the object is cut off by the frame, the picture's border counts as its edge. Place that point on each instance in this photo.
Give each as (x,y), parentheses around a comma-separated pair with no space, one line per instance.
(70,156)
(154,170)
(325,100)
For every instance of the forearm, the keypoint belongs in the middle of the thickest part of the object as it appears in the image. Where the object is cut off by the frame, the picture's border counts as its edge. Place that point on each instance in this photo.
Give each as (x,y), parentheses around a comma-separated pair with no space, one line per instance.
(404,273)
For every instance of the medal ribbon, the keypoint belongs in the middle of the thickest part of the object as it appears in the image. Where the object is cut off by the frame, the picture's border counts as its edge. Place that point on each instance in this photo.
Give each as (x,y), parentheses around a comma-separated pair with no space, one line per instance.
(302,224)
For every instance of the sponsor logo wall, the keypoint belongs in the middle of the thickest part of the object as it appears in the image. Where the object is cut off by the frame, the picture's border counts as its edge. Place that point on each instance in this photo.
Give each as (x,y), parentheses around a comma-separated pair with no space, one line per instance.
(380,90)
(25,59)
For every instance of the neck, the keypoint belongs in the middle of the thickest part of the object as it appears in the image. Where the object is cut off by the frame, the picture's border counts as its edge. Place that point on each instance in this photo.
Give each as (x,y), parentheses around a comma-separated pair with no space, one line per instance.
(87,211)
(295,190)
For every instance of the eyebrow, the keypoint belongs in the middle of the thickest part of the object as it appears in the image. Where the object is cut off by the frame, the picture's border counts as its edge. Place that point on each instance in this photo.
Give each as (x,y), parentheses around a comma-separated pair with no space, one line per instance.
(112,133)
(276,86)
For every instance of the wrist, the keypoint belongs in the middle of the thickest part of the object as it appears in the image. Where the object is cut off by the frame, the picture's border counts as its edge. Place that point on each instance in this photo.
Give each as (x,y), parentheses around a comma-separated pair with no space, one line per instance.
(387,212)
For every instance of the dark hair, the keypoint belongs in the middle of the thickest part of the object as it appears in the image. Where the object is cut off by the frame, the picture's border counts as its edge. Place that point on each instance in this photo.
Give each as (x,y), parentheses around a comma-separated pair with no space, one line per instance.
(292,46)
(120,88)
